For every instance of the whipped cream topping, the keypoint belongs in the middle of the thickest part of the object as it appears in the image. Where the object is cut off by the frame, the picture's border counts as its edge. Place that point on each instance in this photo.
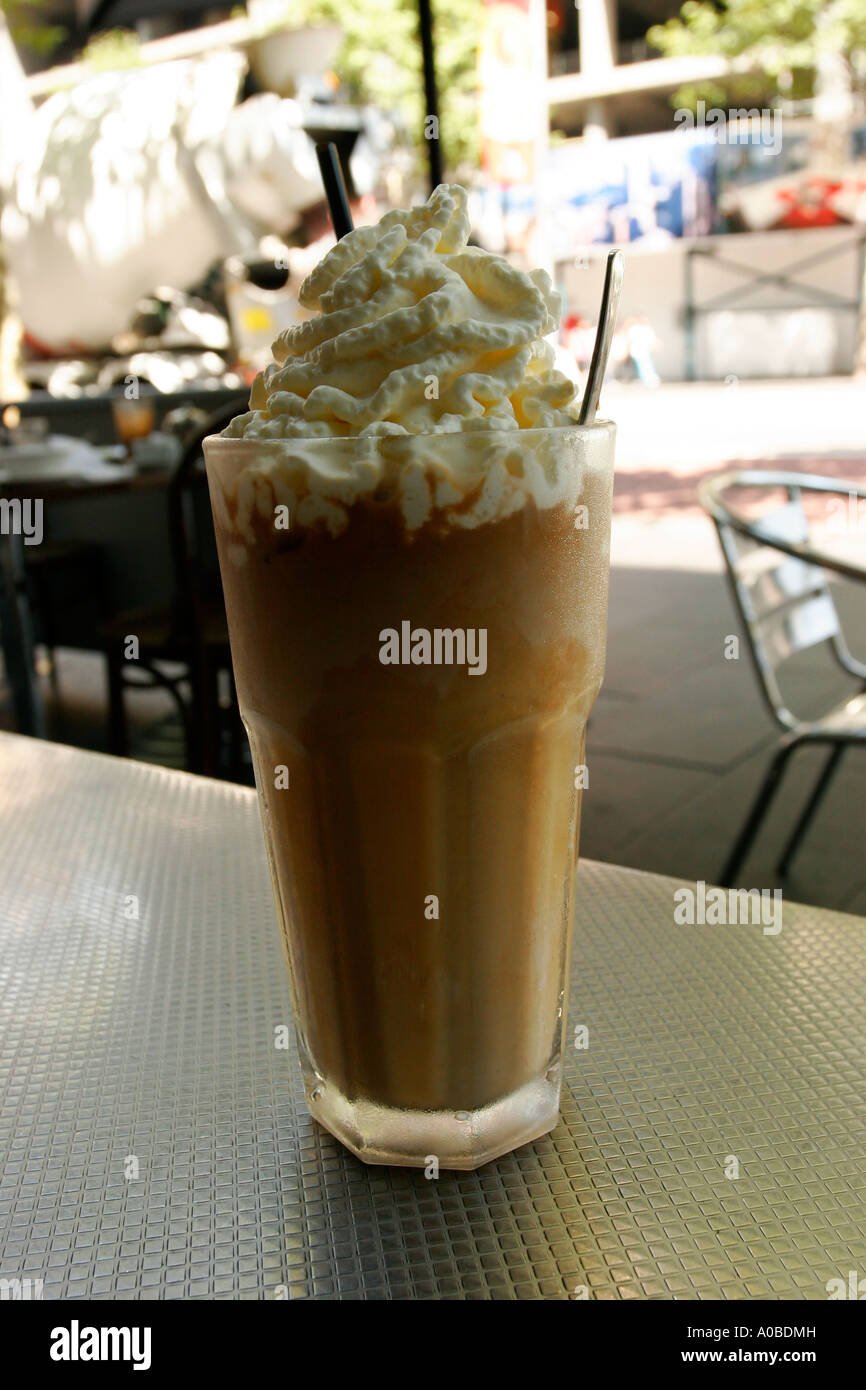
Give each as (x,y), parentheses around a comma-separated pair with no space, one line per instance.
(421,378)
(444,480)
(413,332)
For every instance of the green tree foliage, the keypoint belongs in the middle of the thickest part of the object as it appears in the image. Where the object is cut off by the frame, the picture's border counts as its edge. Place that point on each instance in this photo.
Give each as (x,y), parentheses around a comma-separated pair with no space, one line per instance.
(380,62)
(116,48)
(25,31)
(784,41)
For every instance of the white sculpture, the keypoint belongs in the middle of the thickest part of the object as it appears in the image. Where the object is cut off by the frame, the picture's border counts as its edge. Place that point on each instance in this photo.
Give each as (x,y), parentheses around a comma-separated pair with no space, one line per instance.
(144,177)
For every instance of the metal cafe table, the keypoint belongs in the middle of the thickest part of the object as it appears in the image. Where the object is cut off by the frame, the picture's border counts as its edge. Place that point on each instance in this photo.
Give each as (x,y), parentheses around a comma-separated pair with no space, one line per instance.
(155,1143)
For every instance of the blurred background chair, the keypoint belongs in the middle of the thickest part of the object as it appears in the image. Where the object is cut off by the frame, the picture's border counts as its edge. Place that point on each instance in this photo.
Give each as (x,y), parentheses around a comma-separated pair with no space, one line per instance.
(183,646)
(66,585)
(779,584)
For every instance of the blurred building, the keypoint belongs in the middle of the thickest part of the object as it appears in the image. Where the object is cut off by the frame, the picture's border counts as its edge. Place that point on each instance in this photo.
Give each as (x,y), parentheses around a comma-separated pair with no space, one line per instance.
(745,249)
(605,80)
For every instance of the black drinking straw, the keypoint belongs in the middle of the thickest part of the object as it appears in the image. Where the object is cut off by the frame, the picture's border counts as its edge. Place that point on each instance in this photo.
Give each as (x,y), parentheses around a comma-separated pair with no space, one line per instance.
(335,188)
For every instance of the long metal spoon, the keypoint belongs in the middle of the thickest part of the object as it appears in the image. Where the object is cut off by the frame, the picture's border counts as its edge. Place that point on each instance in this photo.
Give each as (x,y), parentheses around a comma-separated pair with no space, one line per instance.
(604,336)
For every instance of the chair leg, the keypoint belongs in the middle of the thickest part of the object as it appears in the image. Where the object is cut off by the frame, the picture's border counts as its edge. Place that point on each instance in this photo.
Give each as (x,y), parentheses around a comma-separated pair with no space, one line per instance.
(214,757)
(196,735)
(53,673)
(208,714)
(118,738)
(761,806)
(811,807)
(235,731)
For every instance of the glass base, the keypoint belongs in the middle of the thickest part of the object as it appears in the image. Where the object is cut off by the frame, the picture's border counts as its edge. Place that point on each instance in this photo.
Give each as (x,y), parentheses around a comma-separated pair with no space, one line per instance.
(458,1139)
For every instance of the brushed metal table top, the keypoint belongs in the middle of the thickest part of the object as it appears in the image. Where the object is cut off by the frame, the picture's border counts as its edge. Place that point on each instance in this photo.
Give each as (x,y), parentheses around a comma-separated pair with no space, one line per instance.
(155,1142)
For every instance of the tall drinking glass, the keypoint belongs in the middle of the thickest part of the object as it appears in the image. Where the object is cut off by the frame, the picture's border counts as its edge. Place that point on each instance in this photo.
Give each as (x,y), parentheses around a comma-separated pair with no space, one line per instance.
(415,664)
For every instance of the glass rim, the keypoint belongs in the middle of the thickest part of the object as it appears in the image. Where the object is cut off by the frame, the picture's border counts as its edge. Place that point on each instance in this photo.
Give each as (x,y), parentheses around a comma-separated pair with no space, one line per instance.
(223,442)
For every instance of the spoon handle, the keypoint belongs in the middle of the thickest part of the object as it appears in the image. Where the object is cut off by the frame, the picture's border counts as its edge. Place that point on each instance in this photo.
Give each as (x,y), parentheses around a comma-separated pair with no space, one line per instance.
(604,336)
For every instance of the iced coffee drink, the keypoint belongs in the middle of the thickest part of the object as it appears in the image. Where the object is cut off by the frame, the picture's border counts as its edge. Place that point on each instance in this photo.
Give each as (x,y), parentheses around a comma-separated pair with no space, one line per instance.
(414,543)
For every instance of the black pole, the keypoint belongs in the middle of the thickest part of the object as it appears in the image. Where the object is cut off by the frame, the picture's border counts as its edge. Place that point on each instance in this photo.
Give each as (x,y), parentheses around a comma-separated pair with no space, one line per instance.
(335,189)
(431,98)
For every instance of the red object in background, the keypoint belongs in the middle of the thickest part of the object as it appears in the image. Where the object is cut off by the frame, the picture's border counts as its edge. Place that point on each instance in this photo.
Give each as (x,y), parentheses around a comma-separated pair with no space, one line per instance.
(555,16)
(43,352)
(808,205)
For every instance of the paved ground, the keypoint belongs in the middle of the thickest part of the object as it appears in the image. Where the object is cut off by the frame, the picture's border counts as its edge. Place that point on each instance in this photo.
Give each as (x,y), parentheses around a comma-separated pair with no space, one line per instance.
(679,740)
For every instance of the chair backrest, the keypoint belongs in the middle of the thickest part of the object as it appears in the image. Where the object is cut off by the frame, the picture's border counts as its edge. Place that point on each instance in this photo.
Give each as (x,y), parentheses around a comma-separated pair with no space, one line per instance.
(785,603)
(193,543)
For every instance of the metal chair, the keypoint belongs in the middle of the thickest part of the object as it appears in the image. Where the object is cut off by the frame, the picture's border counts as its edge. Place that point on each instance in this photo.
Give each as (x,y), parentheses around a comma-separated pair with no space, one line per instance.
(779,584)
(190,633)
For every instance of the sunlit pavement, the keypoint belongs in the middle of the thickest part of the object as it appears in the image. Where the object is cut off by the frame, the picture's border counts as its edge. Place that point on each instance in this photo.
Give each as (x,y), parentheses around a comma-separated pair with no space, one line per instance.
(681,427)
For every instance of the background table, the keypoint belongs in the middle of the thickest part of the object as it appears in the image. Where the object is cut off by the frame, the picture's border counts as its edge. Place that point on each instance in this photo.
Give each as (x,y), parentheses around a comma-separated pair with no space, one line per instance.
(126,514)
(151,1038)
